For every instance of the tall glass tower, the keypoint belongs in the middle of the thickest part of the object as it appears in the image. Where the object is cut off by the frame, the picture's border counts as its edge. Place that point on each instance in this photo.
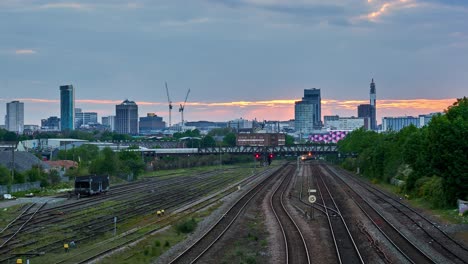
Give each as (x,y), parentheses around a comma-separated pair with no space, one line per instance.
(308,111)
(15,117)
(373,105)
(67,107)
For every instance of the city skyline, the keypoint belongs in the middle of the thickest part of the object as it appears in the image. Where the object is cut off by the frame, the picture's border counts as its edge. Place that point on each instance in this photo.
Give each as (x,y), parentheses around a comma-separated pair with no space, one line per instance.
(222,111)
(229,52)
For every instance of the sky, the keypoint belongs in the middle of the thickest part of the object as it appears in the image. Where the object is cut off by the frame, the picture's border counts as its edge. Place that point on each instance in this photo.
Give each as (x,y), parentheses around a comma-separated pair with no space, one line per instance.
(244,58)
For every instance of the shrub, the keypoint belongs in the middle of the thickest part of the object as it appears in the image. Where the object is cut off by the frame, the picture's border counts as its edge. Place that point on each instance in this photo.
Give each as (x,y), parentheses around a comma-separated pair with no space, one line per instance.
(186,226)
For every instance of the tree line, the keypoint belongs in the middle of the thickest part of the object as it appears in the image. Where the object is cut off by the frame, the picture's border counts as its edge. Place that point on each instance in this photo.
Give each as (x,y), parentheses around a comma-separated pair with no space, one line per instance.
(432,161)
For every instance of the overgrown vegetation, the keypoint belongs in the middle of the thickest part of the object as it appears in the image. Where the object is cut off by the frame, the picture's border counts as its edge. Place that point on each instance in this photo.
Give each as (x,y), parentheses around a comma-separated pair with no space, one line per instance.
(432,161)
(187,226)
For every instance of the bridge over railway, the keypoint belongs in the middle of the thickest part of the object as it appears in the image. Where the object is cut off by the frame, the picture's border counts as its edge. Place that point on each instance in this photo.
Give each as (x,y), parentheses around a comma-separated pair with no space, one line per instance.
(277,150)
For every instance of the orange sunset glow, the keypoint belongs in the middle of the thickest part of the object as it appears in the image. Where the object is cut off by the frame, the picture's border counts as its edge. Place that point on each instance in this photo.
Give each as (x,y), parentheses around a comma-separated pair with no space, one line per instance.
(277,109)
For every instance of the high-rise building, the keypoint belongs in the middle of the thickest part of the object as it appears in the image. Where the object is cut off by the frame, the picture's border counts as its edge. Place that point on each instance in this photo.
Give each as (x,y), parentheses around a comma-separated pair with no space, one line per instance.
(397,123)
(345,123)
(373,104)
(67,107)
(108,121)
(308,112)
(85,118)
(126,118)
(14,120)
(150,123)
(364,111)
(50,124)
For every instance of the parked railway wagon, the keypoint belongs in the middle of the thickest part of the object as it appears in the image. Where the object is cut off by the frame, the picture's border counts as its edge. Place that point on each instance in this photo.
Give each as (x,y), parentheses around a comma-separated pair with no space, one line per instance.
(91,184)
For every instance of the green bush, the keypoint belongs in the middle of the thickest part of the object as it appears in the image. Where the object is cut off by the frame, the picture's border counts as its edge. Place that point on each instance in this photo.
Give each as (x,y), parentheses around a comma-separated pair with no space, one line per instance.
(187,226)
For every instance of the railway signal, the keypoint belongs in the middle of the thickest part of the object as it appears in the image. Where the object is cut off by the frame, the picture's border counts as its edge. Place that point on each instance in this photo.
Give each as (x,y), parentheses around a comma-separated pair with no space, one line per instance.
(257,156)
(270,157)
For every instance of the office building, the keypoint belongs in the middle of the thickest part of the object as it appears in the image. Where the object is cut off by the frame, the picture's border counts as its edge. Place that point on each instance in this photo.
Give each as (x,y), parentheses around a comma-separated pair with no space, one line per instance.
(85,118)
(109,122)
(425,119)
(345,123)
(50,124)
(330,118)
(260,139)
(151,123)
(364,111)
(14,120)
(397,123)
(67,107)
(126,118)
(373,106)
(307,112)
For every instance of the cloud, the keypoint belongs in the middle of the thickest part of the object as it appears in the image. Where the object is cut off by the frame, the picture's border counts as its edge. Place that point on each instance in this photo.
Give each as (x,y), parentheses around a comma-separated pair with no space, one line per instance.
(384,8)
(25,52)
(188,22)
(65,5)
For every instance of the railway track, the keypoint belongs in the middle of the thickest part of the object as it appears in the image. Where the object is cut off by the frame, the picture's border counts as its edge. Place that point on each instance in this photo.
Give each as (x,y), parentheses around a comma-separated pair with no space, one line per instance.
(441,242)
(408,249)
(142,205)
(345,246)
(296,250)
(200,247)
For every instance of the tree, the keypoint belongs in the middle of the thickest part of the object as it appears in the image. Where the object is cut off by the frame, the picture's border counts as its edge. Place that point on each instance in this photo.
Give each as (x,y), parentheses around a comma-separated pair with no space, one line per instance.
(208,141)
(4,175)
(131,162)
(230,140)
(289,140)
(447,150)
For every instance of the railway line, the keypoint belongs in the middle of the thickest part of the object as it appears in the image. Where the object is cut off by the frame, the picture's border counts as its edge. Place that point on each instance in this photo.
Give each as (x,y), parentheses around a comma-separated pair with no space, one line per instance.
(143,204)
(345,246)
(408,249)
(296,249)
(201,246)
(449,249)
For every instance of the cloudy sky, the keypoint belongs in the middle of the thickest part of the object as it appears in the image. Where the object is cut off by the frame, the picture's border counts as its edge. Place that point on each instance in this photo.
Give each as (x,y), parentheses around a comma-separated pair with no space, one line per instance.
(244,58)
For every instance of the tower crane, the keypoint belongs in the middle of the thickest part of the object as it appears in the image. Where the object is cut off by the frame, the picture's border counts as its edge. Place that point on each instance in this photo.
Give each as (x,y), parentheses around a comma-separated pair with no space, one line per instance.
(182,107)
(170,104)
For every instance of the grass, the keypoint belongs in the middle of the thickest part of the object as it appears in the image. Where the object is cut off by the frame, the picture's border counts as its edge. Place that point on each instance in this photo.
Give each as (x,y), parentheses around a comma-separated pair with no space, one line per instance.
(250,243)
(7,214)
(150,248)
(448,215)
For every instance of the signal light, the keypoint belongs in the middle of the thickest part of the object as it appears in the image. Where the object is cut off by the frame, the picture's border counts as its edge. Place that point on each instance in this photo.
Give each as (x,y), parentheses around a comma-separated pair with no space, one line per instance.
(257,156)
(270,156)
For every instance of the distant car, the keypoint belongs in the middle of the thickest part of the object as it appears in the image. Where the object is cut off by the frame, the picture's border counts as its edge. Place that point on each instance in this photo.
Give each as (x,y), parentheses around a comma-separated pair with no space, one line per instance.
(29,195)
(8,196)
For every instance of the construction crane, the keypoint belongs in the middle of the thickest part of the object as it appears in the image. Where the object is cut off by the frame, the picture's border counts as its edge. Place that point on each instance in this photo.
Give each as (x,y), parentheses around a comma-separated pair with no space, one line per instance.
(170,104)
(182,107)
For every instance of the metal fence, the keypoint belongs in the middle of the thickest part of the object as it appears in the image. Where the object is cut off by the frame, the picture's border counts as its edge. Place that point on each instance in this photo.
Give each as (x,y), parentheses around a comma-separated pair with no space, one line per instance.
(20,187)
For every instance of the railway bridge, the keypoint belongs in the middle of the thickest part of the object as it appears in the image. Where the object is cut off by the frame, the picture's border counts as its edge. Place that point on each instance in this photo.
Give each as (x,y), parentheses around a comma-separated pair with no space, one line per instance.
(294,150)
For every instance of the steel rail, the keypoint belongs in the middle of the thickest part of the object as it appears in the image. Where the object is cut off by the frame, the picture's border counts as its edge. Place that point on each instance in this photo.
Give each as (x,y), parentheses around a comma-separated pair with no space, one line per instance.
(401,235)
(342,219)
(280,223)
(447,249)
(19,229)
(252,192)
